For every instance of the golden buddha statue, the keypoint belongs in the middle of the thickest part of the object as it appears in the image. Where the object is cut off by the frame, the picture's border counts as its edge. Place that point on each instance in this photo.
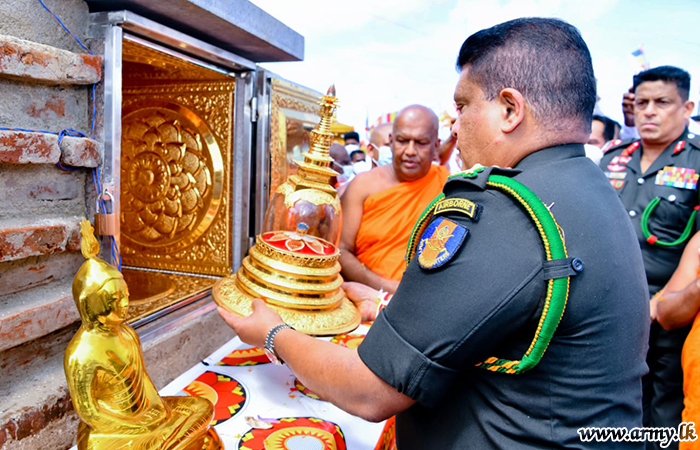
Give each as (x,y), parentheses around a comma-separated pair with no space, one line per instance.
(117,403)
(293,265)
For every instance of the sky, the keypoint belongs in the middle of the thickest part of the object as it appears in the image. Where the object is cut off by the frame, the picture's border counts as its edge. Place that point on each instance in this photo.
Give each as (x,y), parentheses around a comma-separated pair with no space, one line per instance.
(383,55)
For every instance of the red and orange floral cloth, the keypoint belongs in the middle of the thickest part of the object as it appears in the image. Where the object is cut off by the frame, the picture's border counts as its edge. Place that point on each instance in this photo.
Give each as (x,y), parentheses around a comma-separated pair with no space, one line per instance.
(247,390)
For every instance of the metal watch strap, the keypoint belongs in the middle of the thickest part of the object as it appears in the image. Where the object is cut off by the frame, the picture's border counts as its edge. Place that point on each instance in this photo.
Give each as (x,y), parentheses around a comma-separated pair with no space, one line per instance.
(270,338)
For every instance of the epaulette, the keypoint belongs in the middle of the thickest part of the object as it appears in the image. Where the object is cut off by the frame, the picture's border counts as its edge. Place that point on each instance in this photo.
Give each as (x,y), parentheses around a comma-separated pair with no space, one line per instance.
(693,139)
(479,175)
(616,144)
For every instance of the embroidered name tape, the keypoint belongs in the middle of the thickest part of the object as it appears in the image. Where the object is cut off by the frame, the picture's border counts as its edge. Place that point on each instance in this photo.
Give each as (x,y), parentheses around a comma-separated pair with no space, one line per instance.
(678,177)
(440,242)
(616,175)
(461,206)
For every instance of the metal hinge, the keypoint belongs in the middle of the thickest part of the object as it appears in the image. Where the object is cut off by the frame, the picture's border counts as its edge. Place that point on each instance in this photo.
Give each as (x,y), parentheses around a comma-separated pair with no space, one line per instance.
(254,109)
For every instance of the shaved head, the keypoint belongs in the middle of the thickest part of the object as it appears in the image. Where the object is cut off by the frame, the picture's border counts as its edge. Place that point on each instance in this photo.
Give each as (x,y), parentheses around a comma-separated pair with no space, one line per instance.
(339,154)
(418,112)
(380,135)
(414,142)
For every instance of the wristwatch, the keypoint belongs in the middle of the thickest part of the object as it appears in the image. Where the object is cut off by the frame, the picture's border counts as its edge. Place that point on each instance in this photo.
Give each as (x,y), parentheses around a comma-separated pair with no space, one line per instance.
(270,343)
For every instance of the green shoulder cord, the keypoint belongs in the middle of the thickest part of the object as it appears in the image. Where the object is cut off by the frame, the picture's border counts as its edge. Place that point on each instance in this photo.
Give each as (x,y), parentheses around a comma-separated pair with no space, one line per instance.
(652,239)
(557,288)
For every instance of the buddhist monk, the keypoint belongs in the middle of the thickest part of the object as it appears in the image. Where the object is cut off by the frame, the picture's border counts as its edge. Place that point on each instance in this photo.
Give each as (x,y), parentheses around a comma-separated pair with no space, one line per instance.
(678,306)
(381,206)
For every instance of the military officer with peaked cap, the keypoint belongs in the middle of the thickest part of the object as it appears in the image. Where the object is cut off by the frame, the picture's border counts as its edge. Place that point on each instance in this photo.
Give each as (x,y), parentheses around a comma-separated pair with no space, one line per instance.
(656,178)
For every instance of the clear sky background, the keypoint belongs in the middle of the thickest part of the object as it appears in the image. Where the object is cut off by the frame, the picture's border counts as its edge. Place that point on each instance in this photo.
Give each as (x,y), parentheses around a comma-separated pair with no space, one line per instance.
(386,54)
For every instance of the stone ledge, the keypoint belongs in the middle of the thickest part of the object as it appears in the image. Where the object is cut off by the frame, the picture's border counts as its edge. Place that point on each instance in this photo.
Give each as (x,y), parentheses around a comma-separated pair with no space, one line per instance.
(57,435)
(32,421)
(34,396)
(35,271)
(43,238)
(21,147)
(79,152)
(30,61)
(36,312)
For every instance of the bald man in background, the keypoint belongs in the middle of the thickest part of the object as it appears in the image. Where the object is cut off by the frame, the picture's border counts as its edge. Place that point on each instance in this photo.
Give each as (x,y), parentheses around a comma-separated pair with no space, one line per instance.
(379,147)
(381,206)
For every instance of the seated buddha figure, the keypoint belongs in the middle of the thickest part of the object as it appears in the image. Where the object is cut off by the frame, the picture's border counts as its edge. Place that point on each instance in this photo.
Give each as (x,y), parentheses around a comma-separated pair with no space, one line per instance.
(118,404)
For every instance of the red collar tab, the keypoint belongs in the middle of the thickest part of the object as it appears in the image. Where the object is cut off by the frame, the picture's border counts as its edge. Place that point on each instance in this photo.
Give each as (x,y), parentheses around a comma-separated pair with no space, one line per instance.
(630,149)
(611,144)
(679,147)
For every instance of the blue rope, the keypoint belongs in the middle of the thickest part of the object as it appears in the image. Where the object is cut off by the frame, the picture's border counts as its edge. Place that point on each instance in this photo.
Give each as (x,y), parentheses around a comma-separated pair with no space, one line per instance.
(74,133)
(69,132)
(94,113)
(92,97)
(61,135)
(65,132)
(116,256)
(66,28)
(27,131)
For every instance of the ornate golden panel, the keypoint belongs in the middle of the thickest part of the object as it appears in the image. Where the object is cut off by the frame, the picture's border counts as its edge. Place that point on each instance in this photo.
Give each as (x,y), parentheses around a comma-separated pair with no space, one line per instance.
(293,114)
(153,291)
(145,65)
(175,176)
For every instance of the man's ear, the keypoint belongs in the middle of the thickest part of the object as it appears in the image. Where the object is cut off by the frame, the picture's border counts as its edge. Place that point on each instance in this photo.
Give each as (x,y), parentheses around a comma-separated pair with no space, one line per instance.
(513,104)
(689,107)
(436,150)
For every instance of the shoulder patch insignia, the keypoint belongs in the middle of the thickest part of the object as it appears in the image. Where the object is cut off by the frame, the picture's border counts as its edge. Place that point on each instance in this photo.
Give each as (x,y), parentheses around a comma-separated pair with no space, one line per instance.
(694,140)
(459,205)
(440,242)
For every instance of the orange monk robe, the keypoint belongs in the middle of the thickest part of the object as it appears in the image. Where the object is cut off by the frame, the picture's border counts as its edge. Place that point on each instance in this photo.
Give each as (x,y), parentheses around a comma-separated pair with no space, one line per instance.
(388,217)
(691,382)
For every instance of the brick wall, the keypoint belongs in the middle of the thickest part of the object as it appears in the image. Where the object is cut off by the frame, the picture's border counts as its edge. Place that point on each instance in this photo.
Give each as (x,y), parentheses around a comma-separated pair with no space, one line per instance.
(45,84)
(46,80)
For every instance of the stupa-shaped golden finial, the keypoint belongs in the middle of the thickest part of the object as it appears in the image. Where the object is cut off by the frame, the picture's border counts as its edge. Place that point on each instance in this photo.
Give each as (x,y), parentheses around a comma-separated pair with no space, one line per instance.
(294,263)
(315,171)
(118,406)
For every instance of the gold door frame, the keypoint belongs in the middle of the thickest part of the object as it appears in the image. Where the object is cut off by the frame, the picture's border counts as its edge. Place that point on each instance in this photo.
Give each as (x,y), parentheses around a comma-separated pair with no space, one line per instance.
(289,104)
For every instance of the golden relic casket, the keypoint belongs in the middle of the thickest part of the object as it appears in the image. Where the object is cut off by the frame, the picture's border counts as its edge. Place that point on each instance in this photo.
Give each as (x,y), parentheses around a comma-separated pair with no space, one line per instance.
(293,265)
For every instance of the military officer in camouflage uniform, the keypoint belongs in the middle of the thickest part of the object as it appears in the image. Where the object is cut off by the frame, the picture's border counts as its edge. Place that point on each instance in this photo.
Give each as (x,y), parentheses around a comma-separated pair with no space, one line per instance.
(656,178)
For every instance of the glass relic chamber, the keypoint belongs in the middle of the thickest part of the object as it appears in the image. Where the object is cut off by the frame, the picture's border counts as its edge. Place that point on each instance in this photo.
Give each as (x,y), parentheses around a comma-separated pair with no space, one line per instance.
(293,265)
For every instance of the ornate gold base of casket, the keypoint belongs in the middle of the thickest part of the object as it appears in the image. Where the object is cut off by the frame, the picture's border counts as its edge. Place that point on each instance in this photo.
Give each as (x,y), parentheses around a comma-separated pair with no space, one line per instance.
(298,277)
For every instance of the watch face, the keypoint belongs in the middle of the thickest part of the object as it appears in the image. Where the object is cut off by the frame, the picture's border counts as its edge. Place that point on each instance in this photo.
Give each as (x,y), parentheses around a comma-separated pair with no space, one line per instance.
(271,356)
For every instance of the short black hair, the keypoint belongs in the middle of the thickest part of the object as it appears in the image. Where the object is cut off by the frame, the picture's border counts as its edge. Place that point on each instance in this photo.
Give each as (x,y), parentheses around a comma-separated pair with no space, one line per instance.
(610,126)
(354,152)
(545,59)
(669,74)
(351,135)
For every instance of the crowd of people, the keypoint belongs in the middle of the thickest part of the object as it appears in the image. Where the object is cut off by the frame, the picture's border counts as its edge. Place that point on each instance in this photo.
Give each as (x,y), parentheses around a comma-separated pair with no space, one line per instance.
(545,288)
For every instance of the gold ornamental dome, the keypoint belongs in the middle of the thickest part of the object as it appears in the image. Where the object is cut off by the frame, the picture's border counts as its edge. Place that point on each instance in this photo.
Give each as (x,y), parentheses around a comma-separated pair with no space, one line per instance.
(293,265)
